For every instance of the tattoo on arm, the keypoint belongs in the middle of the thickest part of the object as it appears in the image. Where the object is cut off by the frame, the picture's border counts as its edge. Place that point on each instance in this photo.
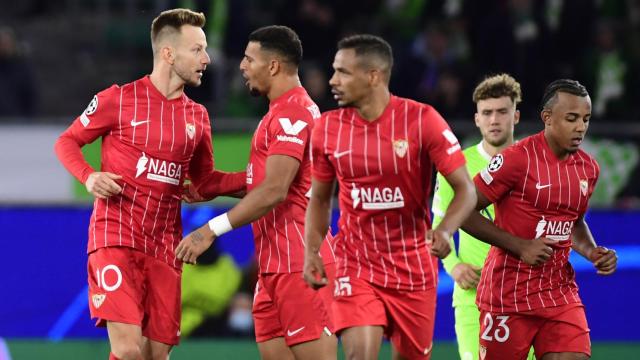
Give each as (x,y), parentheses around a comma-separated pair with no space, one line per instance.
(197,238)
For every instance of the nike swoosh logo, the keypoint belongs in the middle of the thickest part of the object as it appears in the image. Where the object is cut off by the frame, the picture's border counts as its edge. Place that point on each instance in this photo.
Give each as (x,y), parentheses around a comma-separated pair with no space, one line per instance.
(538,186)
(341,153)
(428,349)
(291,333)
(136,123)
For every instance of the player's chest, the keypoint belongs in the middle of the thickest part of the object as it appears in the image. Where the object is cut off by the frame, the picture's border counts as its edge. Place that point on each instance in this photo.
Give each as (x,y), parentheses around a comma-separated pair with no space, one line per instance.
(373,150)
(160,127)
(562,187)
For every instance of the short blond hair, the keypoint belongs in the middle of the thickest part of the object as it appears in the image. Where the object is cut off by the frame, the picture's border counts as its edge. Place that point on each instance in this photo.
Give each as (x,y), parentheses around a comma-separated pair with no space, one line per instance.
(169,22)
(497,86)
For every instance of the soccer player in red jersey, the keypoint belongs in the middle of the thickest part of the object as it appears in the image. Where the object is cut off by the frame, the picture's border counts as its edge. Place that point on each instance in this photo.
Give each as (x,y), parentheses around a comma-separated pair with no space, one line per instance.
(540,188)
(291,319)
(153,136)
(381,149)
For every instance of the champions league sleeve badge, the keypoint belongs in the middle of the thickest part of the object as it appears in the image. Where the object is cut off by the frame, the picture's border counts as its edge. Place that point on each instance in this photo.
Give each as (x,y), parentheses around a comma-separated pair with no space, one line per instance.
(91,108)
(496,163)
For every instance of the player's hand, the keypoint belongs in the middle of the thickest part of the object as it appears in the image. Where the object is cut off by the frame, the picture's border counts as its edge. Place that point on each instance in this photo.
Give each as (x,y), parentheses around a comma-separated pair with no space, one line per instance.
(439,240)
(466,276)
(194,244)
(605,260)
(190,194)
(536,251)
(103,184)
(313,271)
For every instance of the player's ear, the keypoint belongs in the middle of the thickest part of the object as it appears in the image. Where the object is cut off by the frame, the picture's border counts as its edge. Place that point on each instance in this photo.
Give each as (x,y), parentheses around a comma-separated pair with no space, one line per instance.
(545,115)
(375,76)
(516,117)
(476,119)
(168,54)
(274,67)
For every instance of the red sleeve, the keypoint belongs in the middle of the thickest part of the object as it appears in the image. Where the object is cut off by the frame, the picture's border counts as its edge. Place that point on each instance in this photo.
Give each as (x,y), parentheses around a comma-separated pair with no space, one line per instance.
(289,131)
(321,167)
(208,181)
(502,174)
(100,117)
(442,145)
(222,183)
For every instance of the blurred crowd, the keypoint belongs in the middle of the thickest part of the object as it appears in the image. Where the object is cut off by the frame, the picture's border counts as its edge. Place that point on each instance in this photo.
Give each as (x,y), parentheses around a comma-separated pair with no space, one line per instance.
(442,48)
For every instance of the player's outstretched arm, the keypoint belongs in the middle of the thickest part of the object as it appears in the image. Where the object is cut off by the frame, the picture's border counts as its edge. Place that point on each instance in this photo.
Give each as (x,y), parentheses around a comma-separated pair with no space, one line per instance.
(217,183)
(194,244)
(605,260)
(461,205)
(441,200)
(316,225)
(279,173)
(532,252)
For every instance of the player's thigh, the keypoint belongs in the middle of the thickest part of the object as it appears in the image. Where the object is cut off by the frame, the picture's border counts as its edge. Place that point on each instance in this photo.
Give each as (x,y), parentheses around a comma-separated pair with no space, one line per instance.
(362,342)
(323,348)
(162,304)
(115,286)
(360,317)
(275,349)
(303,312)
(467,326)
(412,319)
(564,331)
(507,336)
(125,339)
(266,320)
(356,303)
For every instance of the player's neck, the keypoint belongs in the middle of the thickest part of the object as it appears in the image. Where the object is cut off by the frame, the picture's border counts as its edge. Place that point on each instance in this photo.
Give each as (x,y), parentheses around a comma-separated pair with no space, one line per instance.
(493,150)
(282,85)
(172,87)
(557,150)
(373,106)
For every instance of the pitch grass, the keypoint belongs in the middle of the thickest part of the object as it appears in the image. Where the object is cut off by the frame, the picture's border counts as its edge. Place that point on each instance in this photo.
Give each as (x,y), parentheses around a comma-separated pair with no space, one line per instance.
(240,350)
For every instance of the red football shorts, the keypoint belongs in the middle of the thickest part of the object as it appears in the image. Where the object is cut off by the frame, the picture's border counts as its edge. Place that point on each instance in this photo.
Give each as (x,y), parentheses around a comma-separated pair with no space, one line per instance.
(407,316)
(127,286)
(285,306)
(556,329)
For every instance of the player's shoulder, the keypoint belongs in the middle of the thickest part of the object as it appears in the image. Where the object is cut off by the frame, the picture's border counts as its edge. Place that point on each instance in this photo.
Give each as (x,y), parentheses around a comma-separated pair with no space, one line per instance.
(413,106)
(110,92)
(587,158)
(299,108)
(521,147)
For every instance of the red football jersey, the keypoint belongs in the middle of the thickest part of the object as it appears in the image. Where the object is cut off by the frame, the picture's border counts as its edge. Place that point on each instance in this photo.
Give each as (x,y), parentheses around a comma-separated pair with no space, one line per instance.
(535,195)
(279,234)
(153,143)
(384,169)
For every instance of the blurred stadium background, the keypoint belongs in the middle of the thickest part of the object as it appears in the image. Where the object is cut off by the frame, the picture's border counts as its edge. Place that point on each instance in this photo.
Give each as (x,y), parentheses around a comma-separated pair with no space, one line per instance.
(55,55)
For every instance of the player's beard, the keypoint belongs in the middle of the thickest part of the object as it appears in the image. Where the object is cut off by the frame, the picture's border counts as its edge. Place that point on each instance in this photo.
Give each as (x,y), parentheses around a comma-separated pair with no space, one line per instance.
(254,91)
(498,142)
(187,77)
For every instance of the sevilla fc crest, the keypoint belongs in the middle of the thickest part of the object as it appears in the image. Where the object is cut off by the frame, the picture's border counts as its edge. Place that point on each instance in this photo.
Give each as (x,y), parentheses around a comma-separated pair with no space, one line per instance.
(97,300)
(584,186)
(401,147)
(483,352)
(191,130)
